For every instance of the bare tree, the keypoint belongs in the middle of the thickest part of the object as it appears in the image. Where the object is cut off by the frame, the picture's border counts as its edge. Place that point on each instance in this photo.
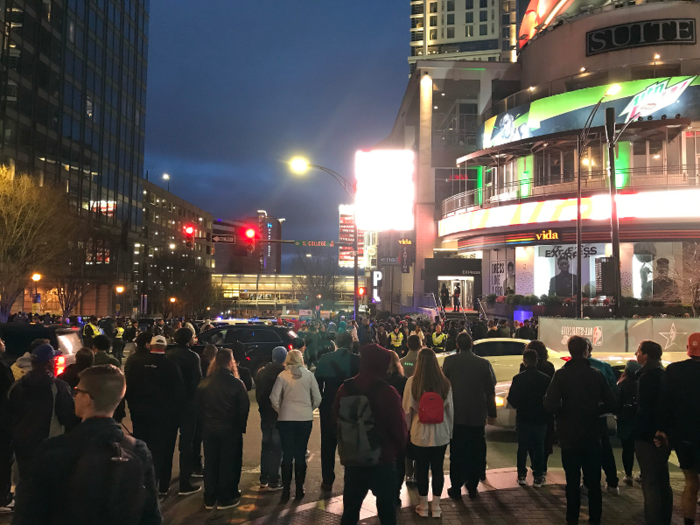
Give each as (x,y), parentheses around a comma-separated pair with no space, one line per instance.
(315,279)
(35,222)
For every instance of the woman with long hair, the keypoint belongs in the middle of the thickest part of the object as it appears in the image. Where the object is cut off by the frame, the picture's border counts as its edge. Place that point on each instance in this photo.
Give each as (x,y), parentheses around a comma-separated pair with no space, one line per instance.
(207,358)
(429,409)
(294,397)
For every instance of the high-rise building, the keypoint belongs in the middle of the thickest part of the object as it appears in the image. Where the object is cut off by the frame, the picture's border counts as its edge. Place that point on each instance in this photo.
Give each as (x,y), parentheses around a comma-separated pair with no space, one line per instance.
(463,30)
(269,253)
(234,251)
(72,112)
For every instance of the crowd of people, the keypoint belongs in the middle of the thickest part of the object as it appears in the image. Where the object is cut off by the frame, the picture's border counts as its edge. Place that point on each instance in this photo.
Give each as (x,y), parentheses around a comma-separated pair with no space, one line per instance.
(387,409)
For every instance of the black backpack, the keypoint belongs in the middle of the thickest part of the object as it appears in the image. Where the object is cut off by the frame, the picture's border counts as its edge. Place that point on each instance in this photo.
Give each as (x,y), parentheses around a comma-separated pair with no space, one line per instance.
(358,439)
(107,485)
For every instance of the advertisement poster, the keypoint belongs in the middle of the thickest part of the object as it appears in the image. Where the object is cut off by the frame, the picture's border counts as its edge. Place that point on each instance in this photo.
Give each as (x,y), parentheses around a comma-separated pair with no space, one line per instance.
(346,236)
(606,335)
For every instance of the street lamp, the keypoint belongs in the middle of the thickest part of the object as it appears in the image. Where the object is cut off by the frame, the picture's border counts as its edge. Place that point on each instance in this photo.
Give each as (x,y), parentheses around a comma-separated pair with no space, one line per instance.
(172,246)
(173,300)
(166,177)
(300,165)
(581,144)
(36,277)
(119,289)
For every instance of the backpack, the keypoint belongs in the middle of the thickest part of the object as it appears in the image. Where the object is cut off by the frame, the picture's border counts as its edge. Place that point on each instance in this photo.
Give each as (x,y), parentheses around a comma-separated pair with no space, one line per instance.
(431,409)
(358,438)
(108,484)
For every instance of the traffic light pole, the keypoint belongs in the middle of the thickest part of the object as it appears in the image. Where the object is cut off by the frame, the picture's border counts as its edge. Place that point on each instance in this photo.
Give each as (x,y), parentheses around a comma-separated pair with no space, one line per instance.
(614,222)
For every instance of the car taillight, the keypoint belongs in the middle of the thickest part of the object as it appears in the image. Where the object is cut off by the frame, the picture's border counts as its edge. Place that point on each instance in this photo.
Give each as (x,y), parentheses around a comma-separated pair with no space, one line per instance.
(566,358)
(291,347)
(247,358)
(59,365)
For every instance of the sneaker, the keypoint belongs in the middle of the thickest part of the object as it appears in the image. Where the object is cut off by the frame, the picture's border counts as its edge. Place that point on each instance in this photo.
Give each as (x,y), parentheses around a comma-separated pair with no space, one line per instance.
(263,487)
(539,483)
(615,491)
(229,505)
(637,478)
(274,487)
(325,487)
(521,480)
(628,480)
(210,507)
(188,491)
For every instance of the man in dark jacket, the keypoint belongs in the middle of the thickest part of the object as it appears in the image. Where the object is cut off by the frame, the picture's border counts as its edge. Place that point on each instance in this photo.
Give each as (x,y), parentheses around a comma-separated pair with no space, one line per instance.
(503,329)
(473,389)
(526,395)
(84,358)
(100,347)
(653,460)
(575,397)
(680,421)
(390,424)
(332,370)
(38,406)
(479,329)
(223,404)
(271,452)
(75,482)
(155,392)
(191,368)
(6,380)
(526,331)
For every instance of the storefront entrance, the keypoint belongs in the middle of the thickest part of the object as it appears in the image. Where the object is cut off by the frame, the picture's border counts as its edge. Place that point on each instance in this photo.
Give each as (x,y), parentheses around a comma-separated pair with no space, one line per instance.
(465,285)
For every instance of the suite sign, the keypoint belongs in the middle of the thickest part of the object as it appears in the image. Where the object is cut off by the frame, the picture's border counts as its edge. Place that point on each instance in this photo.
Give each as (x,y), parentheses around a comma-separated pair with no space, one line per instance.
(638,34)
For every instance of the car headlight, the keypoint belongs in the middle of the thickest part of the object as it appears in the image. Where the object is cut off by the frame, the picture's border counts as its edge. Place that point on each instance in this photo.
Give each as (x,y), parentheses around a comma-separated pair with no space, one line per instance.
(500,401)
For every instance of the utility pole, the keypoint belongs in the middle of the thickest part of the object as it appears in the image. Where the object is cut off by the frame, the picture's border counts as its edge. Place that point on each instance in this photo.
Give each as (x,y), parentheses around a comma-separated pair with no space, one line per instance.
(614,222)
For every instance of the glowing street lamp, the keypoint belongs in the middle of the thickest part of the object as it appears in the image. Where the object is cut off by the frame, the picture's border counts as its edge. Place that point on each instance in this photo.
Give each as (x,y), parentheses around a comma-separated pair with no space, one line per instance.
(119,289)
(36,277)
(166,177)
(299,165)
(173,300)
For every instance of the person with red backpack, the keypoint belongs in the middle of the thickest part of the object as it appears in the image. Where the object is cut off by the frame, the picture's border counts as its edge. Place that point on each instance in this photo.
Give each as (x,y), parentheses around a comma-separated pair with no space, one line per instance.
(427,403)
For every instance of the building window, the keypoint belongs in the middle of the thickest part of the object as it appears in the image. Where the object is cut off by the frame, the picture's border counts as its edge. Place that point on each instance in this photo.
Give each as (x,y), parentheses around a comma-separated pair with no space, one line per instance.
(483,30)
(505,32)
(469,18)
(450,20)
(450,5)
(469,31)
(468,4)
(433,21)
(493,28)
(505,45)
(450,32)
(483,4)
(433,34)
(433,7)
(483,16)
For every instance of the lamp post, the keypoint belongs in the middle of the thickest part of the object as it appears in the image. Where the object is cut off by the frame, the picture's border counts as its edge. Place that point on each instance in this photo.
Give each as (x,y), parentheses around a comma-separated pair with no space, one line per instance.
(301,166)
(36,277)
(581,144)
(166,177)
(120,290)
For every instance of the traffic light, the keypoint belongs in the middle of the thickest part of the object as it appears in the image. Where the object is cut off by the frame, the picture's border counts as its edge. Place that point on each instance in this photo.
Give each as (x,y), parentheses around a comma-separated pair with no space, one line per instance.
(250,238)
(189,236)
(361,292)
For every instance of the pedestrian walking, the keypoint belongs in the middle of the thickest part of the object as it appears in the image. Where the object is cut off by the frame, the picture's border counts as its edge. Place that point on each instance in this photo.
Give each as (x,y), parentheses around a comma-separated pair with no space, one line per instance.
(294,397)
(223,405)
(627,417)
(118,342)
(428,405)
(526,395)
(332,371)
(371,436)
(271,451)
(84,358)
(100,347)
(95,474)
(679,422)
(397,379)
(653,460)
(189,363)
(155,393)
(575,396)
(473,384)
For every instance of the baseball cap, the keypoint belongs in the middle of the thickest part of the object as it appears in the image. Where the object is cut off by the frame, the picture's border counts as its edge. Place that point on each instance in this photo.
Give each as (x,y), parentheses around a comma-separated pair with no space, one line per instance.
(43,354)
(159,340)
(694,344)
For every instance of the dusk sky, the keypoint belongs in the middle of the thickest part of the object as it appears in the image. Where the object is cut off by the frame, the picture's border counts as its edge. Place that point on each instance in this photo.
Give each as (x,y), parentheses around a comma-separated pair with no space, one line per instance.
(236,87)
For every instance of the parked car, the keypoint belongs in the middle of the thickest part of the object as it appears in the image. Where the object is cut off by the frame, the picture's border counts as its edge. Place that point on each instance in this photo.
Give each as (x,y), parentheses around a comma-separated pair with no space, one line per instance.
(18,337)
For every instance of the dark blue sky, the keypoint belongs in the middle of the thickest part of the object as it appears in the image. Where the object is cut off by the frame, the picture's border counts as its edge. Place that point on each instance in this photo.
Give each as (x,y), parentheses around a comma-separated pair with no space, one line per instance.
(235,87)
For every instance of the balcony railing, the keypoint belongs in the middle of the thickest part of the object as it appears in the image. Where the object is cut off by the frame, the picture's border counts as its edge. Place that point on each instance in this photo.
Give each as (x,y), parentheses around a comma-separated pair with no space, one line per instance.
(665,177)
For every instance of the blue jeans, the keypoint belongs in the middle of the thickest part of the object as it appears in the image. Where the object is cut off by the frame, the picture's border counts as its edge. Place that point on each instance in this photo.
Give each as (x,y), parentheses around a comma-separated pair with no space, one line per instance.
(531,437)
(271,453)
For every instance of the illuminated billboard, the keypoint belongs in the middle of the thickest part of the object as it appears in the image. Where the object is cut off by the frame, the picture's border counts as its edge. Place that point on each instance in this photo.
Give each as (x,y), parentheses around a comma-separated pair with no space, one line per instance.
(385,190)
(346,236)
(676,204)
(569,111)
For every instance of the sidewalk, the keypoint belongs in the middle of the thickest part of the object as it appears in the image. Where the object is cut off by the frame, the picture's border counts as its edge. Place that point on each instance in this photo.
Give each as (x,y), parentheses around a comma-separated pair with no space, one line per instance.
(501,502)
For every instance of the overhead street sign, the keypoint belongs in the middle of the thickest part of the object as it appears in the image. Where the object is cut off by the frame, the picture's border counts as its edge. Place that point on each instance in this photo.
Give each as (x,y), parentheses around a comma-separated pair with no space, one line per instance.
(221,238)
(316,244)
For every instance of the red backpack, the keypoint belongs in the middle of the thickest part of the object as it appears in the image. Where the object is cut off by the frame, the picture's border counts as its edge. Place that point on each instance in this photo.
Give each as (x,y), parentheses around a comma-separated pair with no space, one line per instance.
(431,409)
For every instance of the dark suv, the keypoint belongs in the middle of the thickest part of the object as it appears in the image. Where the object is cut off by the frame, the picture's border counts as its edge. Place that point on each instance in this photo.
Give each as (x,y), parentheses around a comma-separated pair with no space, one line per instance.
(259,341)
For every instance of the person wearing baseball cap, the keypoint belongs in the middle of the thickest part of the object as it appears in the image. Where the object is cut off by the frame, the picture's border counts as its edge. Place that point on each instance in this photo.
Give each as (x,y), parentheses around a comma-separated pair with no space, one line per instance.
(680,422)
(155,392)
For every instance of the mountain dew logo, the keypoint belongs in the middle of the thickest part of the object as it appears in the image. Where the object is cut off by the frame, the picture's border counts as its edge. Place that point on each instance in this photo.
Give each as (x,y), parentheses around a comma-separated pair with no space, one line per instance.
(655,97)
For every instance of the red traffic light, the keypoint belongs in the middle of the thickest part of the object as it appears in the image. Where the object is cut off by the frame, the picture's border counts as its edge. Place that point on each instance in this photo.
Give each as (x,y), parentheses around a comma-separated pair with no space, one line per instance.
(189,230)
(250,233)
(361,291)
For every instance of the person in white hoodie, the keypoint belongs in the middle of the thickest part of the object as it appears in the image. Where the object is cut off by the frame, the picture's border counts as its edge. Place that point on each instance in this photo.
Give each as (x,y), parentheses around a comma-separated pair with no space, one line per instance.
(427,402)
(294,397)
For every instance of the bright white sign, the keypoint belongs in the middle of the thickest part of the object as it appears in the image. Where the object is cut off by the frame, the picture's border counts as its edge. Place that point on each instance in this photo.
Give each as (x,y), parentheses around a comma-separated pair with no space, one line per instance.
(385,190)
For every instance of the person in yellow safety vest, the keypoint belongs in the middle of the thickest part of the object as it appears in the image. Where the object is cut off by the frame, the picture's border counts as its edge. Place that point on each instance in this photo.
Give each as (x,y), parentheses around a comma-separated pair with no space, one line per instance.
(438,339)
(90,330)
(396,340)
(118,341)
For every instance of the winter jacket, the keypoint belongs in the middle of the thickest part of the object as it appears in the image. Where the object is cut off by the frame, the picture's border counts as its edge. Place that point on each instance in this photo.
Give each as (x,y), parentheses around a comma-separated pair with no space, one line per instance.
(264,382)
(189,364)
(247,378)
(649,381)
(30,407)
(627,407)
(473,386)
(295,395)
(479,330)
(222,401)
(526,395)
(390,421)
(546,367)
(154,387)
(22,366)
(103,358)
(409,362)
(607,371)
(398,382)
(526,332)
(332,371)
(577,397)
(427,435)
(680,409)
(51,501)
(71,375)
